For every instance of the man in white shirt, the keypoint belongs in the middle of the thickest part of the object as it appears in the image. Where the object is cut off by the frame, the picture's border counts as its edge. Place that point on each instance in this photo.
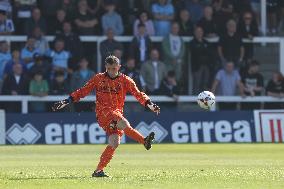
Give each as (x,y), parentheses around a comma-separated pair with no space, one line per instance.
(153,72)
(174,51)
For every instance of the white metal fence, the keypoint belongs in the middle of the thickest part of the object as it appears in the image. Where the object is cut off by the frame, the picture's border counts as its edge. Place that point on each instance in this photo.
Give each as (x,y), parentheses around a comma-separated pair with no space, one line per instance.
(98,39)
(26,99)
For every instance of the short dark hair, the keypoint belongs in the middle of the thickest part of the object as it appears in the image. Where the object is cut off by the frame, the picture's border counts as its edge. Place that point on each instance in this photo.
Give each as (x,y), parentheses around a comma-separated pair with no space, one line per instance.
(171,73)
(254,63)
(39,72)
(111,59)
(59,73)
(3,12)
(59,40)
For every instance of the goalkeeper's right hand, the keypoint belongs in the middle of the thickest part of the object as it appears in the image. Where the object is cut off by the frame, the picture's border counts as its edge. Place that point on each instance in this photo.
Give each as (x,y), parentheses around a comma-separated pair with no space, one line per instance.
(61,104)
(153,107)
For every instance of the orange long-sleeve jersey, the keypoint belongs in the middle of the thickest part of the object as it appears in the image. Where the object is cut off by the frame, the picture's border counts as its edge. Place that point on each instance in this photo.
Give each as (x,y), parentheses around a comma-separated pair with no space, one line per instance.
(110,93)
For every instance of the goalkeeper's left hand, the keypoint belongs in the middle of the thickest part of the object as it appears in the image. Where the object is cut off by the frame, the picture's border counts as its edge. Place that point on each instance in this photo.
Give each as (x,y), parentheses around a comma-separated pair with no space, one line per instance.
(153,107)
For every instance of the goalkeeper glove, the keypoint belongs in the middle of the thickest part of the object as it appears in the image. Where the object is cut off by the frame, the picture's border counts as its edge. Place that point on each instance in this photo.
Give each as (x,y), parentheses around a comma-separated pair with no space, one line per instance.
(153,107)
(61,104)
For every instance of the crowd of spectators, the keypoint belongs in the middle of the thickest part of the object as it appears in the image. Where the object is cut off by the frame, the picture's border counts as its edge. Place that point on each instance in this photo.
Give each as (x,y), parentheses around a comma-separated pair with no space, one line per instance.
(43,68)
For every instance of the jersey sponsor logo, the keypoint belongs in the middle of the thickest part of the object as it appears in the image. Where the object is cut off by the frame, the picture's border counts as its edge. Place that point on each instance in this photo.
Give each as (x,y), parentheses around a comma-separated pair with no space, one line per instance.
(109,89)
(145,129)
(269,125)
(210,131)
(27,134)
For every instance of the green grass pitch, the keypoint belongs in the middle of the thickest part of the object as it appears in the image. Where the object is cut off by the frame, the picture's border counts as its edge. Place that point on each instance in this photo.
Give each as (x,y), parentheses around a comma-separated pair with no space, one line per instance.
(165,166)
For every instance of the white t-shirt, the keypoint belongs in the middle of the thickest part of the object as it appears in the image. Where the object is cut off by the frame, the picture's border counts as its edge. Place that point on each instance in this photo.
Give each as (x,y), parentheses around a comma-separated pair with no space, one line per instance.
(175,43)
(17,78)
(156,76)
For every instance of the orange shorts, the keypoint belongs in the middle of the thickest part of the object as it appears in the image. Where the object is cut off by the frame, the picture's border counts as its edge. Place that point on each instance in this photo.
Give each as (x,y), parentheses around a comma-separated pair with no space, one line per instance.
(109,118)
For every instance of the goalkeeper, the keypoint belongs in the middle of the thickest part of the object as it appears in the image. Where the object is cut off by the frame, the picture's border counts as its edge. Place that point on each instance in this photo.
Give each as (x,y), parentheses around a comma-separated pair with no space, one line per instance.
(111,88)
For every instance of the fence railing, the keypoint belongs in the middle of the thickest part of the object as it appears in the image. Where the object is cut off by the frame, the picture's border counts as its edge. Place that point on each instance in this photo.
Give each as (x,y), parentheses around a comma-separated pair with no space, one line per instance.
(25,99)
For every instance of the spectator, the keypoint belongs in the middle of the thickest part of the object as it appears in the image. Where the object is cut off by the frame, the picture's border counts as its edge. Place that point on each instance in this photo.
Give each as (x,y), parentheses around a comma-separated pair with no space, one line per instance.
(119,54)
(109,45)
(86,23)
(230,46)
(28,51)
(196,10)
(78,79)
(41,42)
(60,57)
(201,61)
(16,59)
(49,10)
(144,19)
(153,72)
(72,43)
(59,85)
(208,23)
(22,10)
(253,85)
(15,84)
(241,6)
(185,23)
(272,8)
(70,7)
(6,25)
(275,88)
(40,65)
(5,57)
(223,12)
(35,21)
(163,12)
(169,86)
(59,22)
(130,70)
(38,87)
(248,29)
(96,7)
(255,7)
(140,46)
(228,79)
(281,17)
(111,19)
(129,11)
(174,50)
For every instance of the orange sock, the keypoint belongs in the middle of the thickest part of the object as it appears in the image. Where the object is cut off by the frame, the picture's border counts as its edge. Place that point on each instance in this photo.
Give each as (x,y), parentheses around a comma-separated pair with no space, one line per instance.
(134,134)
(105,157)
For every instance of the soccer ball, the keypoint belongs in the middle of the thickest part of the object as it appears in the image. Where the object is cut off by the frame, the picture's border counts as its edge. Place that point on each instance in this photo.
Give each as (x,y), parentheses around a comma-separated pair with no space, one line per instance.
(206,100)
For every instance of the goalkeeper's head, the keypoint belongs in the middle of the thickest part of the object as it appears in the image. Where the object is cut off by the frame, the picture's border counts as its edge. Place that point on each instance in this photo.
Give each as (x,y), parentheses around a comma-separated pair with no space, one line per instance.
(112,64)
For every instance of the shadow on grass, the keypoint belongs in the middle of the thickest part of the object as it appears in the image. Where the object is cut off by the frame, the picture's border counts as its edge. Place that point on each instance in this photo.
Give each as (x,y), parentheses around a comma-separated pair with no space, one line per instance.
(48,178)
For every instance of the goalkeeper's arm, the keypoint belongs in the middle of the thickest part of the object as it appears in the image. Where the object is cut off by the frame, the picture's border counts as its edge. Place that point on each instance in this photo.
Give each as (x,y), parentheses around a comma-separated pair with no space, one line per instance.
(153,107)
(61,104)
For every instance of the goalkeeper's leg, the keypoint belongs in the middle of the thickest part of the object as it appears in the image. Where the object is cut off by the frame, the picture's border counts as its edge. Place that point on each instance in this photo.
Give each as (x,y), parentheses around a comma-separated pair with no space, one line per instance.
(113,142)
(124,125)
